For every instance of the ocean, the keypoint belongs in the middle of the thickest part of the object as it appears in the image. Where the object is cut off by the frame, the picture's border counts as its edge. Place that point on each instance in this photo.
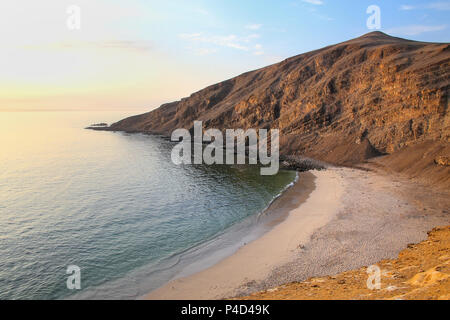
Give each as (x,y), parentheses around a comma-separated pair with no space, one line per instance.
(114,205)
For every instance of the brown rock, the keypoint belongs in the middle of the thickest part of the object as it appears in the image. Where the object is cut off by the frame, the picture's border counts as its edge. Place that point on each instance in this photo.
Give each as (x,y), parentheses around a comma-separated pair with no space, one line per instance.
(342,104)
(443,161)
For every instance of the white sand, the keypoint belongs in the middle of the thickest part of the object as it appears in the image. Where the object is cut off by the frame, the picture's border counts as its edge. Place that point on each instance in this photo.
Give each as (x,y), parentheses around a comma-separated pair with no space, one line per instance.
(255,261)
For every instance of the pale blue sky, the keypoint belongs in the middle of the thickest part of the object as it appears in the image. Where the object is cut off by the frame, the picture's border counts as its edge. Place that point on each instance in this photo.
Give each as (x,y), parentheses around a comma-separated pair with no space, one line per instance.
(138,54)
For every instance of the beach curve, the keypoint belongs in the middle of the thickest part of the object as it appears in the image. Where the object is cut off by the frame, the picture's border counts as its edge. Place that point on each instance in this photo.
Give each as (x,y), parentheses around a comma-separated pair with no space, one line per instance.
(255,261)
(351,219)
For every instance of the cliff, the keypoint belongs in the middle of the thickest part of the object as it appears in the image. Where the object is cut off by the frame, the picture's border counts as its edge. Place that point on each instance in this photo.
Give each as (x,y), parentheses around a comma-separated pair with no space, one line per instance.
(343,104)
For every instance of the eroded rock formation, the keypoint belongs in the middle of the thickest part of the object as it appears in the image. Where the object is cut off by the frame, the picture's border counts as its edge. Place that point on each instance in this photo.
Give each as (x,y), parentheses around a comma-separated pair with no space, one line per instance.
(343,104)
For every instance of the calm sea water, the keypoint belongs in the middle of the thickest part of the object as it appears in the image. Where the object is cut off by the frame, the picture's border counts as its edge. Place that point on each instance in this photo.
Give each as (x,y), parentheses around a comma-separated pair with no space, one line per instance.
(114,205)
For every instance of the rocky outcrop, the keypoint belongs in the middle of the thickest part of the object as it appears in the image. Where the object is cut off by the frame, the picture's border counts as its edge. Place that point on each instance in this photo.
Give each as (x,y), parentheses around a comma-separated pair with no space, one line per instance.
(443,161)
(301,164)
(342,104)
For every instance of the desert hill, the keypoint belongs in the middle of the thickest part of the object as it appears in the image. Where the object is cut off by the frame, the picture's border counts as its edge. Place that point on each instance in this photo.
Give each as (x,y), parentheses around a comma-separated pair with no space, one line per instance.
(343,104)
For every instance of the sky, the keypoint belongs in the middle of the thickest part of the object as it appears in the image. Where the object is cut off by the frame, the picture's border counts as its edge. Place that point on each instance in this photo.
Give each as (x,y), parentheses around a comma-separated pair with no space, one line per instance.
(136,54)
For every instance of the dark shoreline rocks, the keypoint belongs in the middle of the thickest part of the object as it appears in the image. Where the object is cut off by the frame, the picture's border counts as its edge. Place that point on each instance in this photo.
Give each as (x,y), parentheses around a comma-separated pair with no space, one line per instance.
(102,124)
(300,163)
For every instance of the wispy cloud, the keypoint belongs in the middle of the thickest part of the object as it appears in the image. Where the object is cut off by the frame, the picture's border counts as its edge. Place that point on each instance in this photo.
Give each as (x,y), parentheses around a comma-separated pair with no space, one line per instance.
(141,46)
(242,43)
(122,44)
(406,7)
(413,30)
(253,26)
(229,41)
(258,50)
(314,9)
(314,2)
(441,6)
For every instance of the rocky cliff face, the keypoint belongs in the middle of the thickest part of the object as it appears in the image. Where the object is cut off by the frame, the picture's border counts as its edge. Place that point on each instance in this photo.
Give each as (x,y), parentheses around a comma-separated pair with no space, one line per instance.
(342,104)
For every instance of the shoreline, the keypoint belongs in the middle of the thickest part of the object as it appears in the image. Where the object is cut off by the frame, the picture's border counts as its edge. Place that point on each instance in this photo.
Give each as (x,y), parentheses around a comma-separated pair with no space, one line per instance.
(275,247)
(351,219)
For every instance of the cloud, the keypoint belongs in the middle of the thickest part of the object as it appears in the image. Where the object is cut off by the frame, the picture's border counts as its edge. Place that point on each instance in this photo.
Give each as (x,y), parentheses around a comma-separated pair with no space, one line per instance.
(413,30)
(253,26)
(141,46)
(258,50)
(242,43)
(229,41)
(122,44)
(441,6)
(314,2)
(406,7)
(188,36)
(314,10)
(251,37)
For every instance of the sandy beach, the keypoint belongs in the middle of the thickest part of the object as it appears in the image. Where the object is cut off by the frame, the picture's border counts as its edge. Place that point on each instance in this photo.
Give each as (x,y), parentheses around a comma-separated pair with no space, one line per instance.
(254,262)
(421,272)
(349,219)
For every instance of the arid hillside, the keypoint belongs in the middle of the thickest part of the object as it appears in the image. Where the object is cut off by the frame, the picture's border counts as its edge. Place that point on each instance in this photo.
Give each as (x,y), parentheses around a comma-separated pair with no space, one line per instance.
(343,104)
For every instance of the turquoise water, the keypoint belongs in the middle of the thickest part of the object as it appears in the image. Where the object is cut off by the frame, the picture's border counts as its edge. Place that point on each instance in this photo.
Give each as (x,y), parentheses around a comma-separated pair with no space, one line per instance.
(114,205)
